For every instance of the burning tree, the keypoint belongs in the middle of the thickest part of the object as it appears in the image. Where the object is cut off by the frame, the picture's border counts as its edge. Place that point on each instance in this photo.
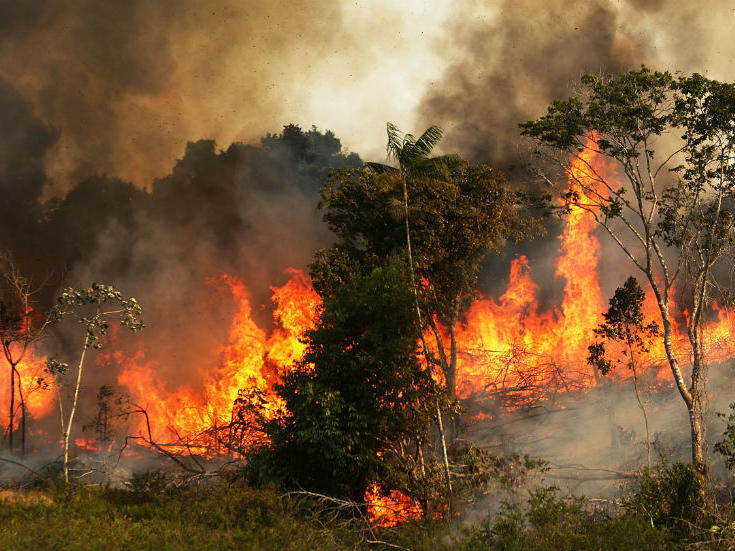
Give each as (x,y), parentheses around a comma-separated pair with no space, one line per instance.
(20,328)
(88,307)
(668,206)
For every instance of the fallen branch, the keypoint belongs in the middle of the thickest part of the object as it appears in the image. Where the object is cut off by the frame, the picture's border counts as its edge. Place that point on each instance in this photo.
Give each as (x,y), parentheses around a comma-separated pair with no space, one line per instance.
(342,505)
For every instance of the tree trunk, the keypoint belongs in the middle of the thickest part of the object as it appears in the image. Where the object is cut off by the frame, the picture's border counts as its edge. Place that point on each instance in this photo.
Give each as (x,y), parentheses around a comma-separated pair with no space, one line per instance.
(22,418)
(11,413)
(67,434)
(452,367)
(640,405)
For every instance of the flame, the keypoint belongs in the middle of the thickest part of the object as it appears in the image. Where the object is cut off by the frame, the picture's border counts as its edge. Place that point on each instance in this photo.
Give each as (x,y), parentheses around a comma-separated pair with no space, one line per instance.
(251,362)
(509,350)
(512,352)
(388,509)
(39,398)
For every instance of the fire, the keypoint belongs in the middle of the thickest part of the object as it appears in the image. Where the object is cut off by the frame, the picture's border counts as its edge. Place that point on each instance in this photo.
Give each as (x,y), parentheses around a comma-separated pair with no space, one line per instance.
(518,355)
(511,350)
(251,362)
(391,508)
(39,399)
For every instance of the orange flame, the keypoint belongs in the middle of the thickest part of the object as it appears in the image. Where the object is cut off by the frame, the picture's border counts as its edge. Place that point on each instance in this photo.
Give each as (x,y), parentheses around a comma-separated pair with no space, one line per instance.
(251,361)
(388,509)
(39,399)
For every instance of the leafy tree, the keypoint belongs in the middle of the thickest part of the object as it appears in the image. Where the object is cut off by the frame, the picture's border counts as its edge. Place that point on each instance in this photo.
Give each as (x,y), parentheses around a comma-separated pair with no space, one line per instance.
(625,323)
(89,308)
(412,156)
(667,203)
(456,220)
(358,407)
(20,327)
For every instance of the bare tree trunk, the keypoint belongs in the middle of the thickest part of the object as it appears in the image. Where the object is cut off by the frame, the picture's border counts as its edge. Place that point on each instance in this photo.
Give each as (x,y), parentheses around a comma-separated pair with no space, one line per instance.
(640,404)
(447,479)
(452,367)
(421,331)
(67,434)
(22,418)
(11,413)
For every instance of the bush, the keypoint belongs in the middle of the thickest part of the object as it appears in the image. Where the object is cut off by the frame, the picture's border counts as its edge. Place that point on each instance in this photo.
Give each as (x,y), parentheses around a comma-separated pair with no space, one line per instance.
(671,496)
(553,522)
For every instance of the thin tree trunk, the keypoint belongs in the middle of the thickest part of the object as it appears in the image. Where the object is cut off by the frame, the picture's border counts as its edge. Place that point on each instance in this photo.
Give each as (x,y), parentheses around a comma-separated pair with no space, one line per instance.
(423,338)
(447,479)
(640,405)
(11,414)
(67,434)
(452,367)
(22,416)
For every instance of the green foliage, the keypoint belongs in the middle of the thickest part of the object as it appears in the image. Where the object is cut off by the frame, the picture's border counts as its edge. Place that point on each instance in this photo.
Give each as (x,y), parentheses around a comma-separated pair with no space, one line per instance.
(477,470)
(218,518)
(671,496)
(625,323)
(726,446)
(72,302)
(359,392)
(455,222)
(148,483)
(626,113)
(553,522)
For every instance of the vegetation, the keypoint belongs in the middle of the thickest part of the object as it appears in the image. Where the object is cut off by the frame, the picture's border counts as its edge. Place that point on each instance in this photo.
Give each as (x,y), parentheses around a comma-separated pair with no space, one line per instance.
(363,405)
(92,307)
(20,328)
(359,406)
(671,139)
(624,323)
(458,213)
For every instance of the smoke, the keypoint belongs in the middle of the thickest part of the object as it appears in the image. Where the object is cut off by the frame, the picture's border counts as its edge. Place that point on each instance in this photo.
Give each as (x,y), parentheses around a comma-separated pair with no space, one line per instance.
(128,83)
(114,110)
(511,63)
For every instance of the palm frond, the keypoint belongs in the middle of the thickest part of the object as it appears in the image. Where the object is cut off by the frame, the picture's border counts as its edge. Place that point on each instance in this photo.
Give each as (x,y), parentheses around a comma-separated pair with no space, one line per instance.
(395,143)
(426,142)
(380,168)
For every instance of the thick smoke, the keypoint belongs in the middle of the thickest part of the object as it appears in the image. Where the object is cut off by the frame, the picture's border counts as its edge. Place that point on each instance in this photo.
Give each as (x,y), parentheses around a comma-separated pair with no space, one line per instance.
(511,63)
(249,211)
(128,83)
(98,101)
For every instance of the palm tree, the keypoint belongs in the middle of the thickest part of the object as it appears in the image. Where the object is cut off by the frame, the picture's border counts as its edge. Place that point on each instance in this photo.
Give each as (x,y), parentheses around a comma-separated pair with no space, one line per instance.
(412,156)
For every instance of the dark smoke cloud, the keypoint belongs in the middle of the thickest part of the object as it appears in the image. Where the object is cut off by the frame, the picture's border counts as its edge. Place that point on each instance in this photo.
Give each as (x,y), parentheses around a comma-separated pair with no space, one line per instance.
(513,65)
(128,83)
(508,66)
(24,143)
(249,211)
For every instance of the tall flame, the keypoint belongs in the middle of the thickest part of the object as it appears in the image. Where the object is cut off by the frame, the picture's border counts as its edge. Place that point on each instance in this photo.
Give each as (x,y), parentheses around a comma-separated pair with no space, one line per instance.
(251,361)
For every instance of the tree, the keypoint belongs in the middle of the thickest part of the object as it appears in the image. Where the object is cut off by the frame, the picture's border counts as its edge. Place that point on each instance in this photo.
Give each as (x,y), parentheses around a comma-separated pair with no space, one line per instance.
(625,323)
(87,306)
(359,406)
(668,202)
(412,156)
(20,327)
(456,220)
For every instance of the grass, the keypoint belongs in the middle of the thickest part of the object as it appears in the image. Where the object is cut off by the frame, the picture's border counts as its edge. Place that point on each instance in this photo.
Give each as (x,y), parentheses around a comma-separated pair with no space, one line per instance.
(217,518)
(222,516)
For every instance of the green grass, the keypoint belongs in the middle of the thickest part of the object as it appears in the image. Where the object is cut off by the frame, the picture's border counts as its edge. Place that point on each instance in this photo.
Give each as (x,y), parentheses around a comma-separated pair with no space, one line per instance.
(222,516)
(218,518)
